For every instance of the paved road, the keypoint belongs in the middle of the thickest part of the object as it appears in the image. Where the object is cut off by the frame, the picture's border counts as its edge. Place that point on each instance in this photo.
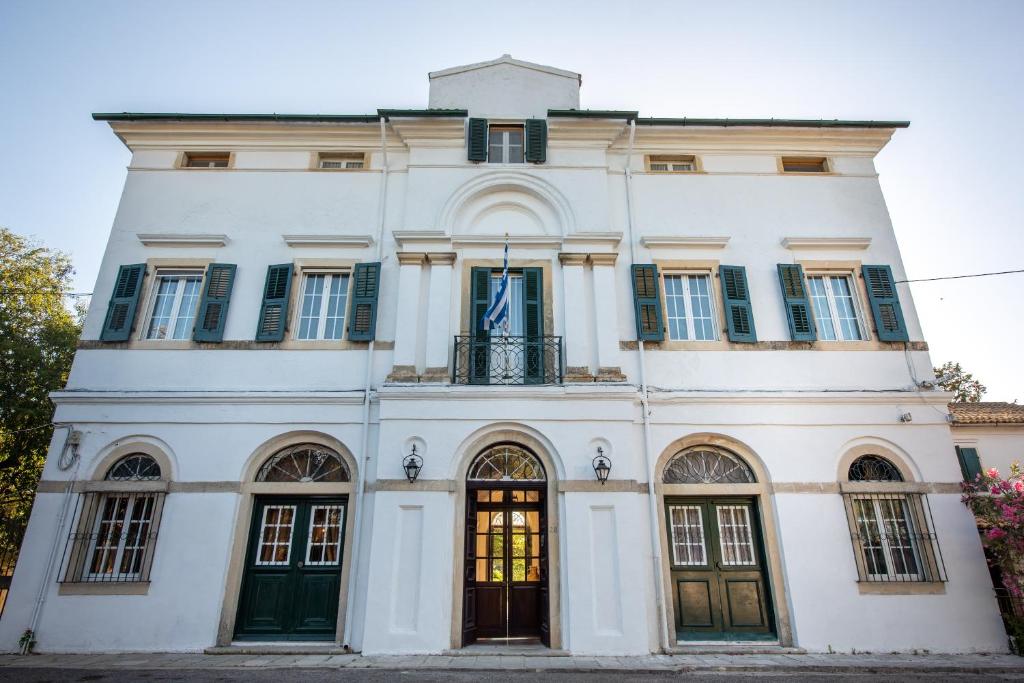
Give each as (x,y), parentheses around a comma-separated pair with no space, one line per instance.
(40,675)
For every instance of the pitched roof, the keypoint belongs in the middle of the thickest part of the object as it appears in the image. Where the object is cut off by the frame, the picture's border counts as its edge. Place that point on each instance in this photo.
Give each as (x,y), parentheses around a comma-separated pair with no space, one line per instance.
(986,412)
(506,59)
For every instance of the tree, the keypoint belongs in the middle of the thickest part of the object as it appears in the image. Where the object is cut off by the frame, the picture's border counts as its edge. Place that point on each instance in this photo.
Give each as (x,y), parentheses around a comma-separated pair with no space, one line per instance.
(954,378)
(37,343)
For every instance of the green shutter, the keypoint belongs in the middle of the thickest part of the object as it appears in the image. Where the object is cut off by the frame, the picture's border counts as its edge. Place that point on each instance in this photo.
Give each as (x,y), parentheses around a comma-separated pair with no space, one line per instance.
(363,311)
(739,316)
(477,140)
(213,310)
(885,303)
(274,312)
(479,346)
(536,140)
(647,302)
(798,305)
(533,324)
(123,303)
(970,463)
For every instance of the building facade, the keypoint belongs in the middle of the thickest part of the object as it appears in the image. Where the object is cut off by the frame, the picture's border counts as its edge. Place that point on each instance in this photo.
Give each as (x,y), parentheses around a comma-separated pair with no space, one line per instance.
(287,328)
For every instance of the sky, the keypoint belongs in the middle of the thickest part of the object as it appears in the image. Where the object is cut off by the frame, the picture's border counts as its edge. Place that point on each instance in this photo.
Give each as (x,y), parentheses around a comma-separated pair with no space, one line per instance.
(952,181)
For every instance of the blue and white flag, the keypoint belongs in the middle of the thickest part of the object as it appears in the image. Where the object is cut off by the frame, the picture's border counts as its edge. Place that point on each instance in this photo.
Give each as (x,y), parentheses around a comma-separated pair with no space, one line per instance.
(497,314)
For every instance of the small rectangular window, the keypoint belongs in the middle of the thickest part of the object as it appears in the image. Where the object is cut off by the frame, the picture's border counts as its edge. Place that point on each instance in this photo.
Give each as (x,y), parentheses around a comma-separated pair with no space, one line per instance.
(689,308)
(805,165)
(662,163)
(835,309)
(342,161)
(322,306)
(173,303)
(505,145)
(207,159)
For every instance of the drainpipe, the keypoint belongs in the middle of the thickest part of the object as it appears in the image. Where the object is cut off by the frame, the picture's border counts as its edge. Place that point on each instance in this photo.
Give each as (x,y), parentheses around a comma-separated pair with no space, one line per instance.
(652,499)
(353,579)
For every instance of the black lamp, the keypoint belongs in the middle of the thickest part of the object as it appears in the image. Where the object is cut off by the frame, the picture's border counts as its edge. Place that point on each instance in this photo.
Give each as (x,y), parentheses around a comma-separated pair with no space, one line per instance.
(602,466)
(412,464)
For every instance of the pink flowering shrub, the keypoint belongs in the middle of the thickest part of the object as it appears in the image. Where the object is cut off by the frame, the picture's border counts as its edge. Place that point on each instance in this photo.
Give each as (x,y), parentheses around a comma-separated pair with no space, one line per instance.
(998,505)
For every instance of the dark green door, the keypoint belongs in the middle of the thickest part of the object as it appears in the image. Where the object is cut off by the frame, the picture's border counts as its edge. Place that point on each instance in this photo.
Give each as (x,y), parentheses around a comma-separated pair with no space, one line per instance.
(718,574)
(292,569)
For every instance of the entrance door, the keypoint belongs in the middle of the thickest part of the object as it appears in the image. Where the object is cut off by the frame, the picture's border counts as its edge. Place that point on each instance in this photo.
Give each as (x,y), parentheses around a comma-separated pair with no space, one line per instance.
(292,570)
(718,573)
(506,581)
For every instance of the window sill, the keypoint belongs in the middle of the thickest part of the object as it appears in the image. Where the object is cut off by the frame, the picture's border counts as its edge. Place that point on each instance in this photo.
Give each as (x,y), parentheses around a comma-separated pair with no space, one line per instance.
(902,588)
(104,588)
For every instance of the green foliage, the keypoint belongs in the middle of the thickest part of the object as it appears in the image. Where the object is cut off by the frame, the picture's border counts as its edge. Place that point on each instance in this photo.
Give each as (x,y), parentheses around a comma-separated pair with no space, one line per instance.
(37,343)
(954,378)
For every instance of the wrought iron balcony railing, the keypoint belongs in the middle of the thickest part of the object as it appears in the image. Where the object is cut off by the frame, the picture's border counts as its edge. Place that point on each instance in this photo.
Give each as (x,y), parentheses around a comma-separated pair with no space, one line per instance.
(507,360)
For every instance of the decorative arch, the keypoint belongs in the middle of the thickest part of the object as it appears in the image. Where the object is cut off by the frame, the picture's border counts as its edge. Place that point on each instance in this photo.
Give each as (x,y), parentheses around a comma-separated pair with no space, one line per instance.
(151,446)
(856,448)
(281,442)
(304,462)
(536,198)
(507,432)
(506,462)
(714,441)
(707,465)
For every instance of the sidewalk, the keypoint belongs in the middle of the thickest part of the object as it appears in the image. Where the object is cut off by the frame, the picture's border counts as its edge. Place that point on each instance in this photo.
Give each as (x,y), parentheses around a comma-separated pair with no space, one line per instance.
(774,663)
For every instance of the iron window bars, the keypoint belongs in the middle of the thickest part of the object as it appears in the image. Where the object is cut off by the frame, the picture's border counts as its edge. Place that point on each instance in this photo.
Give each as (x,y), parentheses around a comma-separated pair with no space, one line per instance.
(507,360)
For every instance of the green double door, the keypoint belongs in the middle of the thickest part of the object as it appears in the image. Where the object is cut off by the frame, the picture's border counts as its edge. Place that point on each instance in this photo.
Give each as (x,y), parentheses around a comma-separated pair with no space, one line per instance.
(292,577)
(719,578)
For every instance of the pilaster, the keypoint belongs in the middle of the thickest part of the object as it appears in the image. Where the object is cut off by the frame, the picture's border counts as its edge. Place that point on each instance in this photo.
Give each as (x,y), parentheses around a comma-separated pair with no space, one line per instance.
(606,315)
(577,362)
(410,267)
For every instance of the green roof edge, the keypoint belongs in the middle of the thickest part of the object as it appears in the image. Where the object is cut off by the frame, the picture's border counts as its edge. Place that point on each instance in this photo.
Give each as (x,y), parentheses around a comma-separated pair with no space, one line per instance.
(780,123)
(591,114)
(284,118)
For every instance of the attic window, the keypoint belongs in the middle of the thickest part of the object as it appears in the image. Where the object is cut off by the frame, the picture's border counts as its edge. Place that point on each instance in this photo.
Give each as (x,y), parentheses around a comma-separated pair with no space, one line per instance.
(207,159)
(663,163)
(341,161)
(805,165)
(505,145)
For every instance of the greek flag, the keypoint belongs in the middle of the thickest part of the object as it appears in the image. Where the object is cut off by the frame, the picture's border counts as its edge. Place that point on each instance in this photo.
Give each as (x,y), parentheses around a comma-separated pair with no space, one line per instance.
(497,314)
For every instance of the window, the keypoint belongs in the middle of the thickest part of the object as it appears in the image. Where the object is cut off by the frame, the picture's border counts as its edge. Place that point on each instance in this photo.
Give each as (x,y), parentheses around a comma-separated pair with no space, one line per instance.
(805,165)
(175,297)
(505,145)
(890,529)
(662,163)
(342,161)
(207,159)
(835,308)
(114,538)
(307,462)
(689,308)
(322,306)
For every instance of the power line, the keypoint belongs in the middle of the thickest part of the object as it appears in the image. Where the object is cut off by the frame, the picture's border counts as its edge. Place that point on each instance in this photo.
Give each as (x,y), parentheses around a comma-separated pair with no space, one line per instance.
(958,277)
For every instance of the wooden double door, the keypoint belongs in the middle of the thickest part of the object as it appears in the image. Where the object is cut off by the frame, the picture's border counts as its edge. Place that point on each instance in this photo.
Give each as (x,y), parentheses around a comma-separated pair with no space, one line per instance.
(719,577)
(505,592)
(292,579)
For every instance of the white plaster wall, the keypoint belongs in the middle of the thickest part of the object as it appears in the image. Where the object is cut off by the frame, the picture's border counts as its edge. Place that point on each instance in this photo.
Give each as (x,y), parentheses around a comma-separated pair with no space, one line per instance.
(998,445)
(505,91)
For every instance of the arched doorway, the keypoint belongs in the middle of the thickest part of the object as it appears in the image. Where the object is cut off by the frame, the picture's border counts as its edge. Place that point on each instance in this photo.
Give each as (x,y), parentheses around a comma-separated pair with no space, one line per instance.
(505,582)
(292,576)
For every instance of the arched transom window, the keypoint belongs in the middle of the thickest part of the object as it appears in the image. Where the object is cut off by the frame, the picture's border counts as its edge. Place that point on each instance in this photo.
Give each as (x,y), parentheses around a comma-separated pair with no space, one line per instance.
(134,467)
(873,468)
(506,463)
(707,465)
(305,462)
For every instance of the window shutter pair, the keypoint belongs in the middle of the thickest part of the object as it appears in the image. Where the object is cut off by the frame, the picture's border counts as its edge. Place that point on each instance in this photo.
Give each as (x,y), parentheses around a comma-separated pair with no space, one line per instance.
(362,316)
(536,142)
(213,308)
(970,463)
(739,314)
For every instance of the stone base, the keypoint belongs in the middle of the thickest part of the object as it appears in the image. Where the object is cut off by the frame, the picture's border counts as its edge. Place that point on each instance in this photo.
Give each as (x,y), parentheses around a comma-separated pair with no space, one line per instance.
(578,373)
(435,375)
(403,374)
(610,375)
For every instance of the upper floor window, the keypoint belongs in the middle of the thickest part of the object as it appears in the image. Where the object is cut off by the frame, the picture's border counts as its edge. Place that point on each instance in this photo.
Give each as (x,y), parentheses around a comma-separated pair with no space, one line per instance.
(175,298)
(505,145)
(689,308)
(341,161)
(207,159)
(322,306)
(663,163)
(835,307)
(805,165)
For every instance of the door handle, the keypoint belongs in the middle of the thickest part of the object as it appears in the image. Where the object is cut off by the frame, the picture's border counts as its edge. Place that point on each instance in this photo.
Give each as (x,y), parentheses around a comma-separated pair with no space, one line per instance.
(300,564)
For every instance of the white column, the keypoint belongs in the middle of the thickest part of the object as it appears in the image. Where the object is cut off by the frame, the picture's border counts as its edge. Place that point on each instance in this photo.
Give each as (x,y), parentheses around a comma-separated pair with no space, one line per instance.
(577,348)
(606,315)
(439,303)
(406,323)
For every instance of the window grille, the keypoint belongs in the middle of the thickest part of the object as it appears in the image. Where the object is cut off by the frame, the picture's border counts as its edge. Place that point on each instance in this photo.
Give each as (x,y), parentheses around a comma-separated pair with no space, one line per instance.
(873,468)
(506,463)
(892,536)
(707,465)
(304,463)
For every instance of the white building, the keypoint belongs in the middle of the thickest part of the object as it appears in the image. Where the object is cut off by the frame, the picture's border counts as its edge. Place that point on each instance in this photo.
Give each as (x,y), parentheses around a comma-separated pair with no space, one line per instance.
(711,307)
(987,434)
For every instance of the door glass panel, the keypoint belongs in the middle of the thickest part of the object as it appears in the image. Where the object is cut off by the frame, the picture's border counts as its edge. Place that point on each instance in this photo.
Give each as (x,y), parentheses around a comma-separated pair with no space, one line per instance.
(276,535)
(324,543)
(533,496)
(687,529)
(735,537)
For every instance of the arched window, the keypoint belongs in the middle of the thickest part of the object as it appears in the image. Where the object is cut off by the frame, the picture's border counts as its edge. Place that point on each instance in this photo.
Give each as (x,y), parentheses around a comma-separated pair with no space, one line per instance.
(506,463)
(707,465)
(307,462)
(134,467)
(873,468)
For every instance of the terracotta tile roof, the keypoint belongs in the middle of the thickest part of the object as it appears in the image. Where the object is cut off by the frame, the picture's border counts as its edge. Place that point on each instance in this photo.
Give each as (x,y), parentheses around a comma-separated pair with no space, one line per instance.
(987,412)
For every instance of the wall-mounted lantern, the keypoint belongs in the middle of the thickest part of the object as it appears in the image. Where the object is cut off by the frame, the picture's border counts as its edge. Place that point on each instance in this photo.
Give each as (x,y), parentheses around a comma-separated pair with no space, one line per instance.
(602,466)
(412,464)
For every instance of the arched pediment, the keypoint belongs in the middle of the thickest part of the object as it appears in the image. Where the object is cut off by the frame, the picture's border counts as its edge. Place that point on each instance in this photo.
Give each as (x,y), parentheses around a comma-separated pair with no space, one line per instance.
(507,202)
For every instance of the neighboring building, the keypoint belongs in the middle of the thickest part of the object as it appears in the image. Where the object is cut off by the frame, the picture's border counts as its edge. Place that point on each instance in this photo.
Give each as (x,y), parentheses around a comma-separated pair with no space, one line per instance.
(987,434)
(711,306)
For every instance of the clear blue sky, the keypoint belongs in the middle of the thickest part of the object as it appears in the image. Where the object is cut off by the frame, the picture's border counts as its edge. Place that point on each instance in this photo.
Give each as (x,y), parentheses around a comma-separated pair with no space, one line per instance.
(955,69)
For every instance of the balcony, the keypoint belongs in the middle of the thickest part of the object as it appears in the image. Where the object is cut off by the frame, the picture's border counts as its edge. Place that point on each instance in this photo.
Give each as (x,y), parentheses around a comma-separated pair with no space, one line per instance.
(507,360)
